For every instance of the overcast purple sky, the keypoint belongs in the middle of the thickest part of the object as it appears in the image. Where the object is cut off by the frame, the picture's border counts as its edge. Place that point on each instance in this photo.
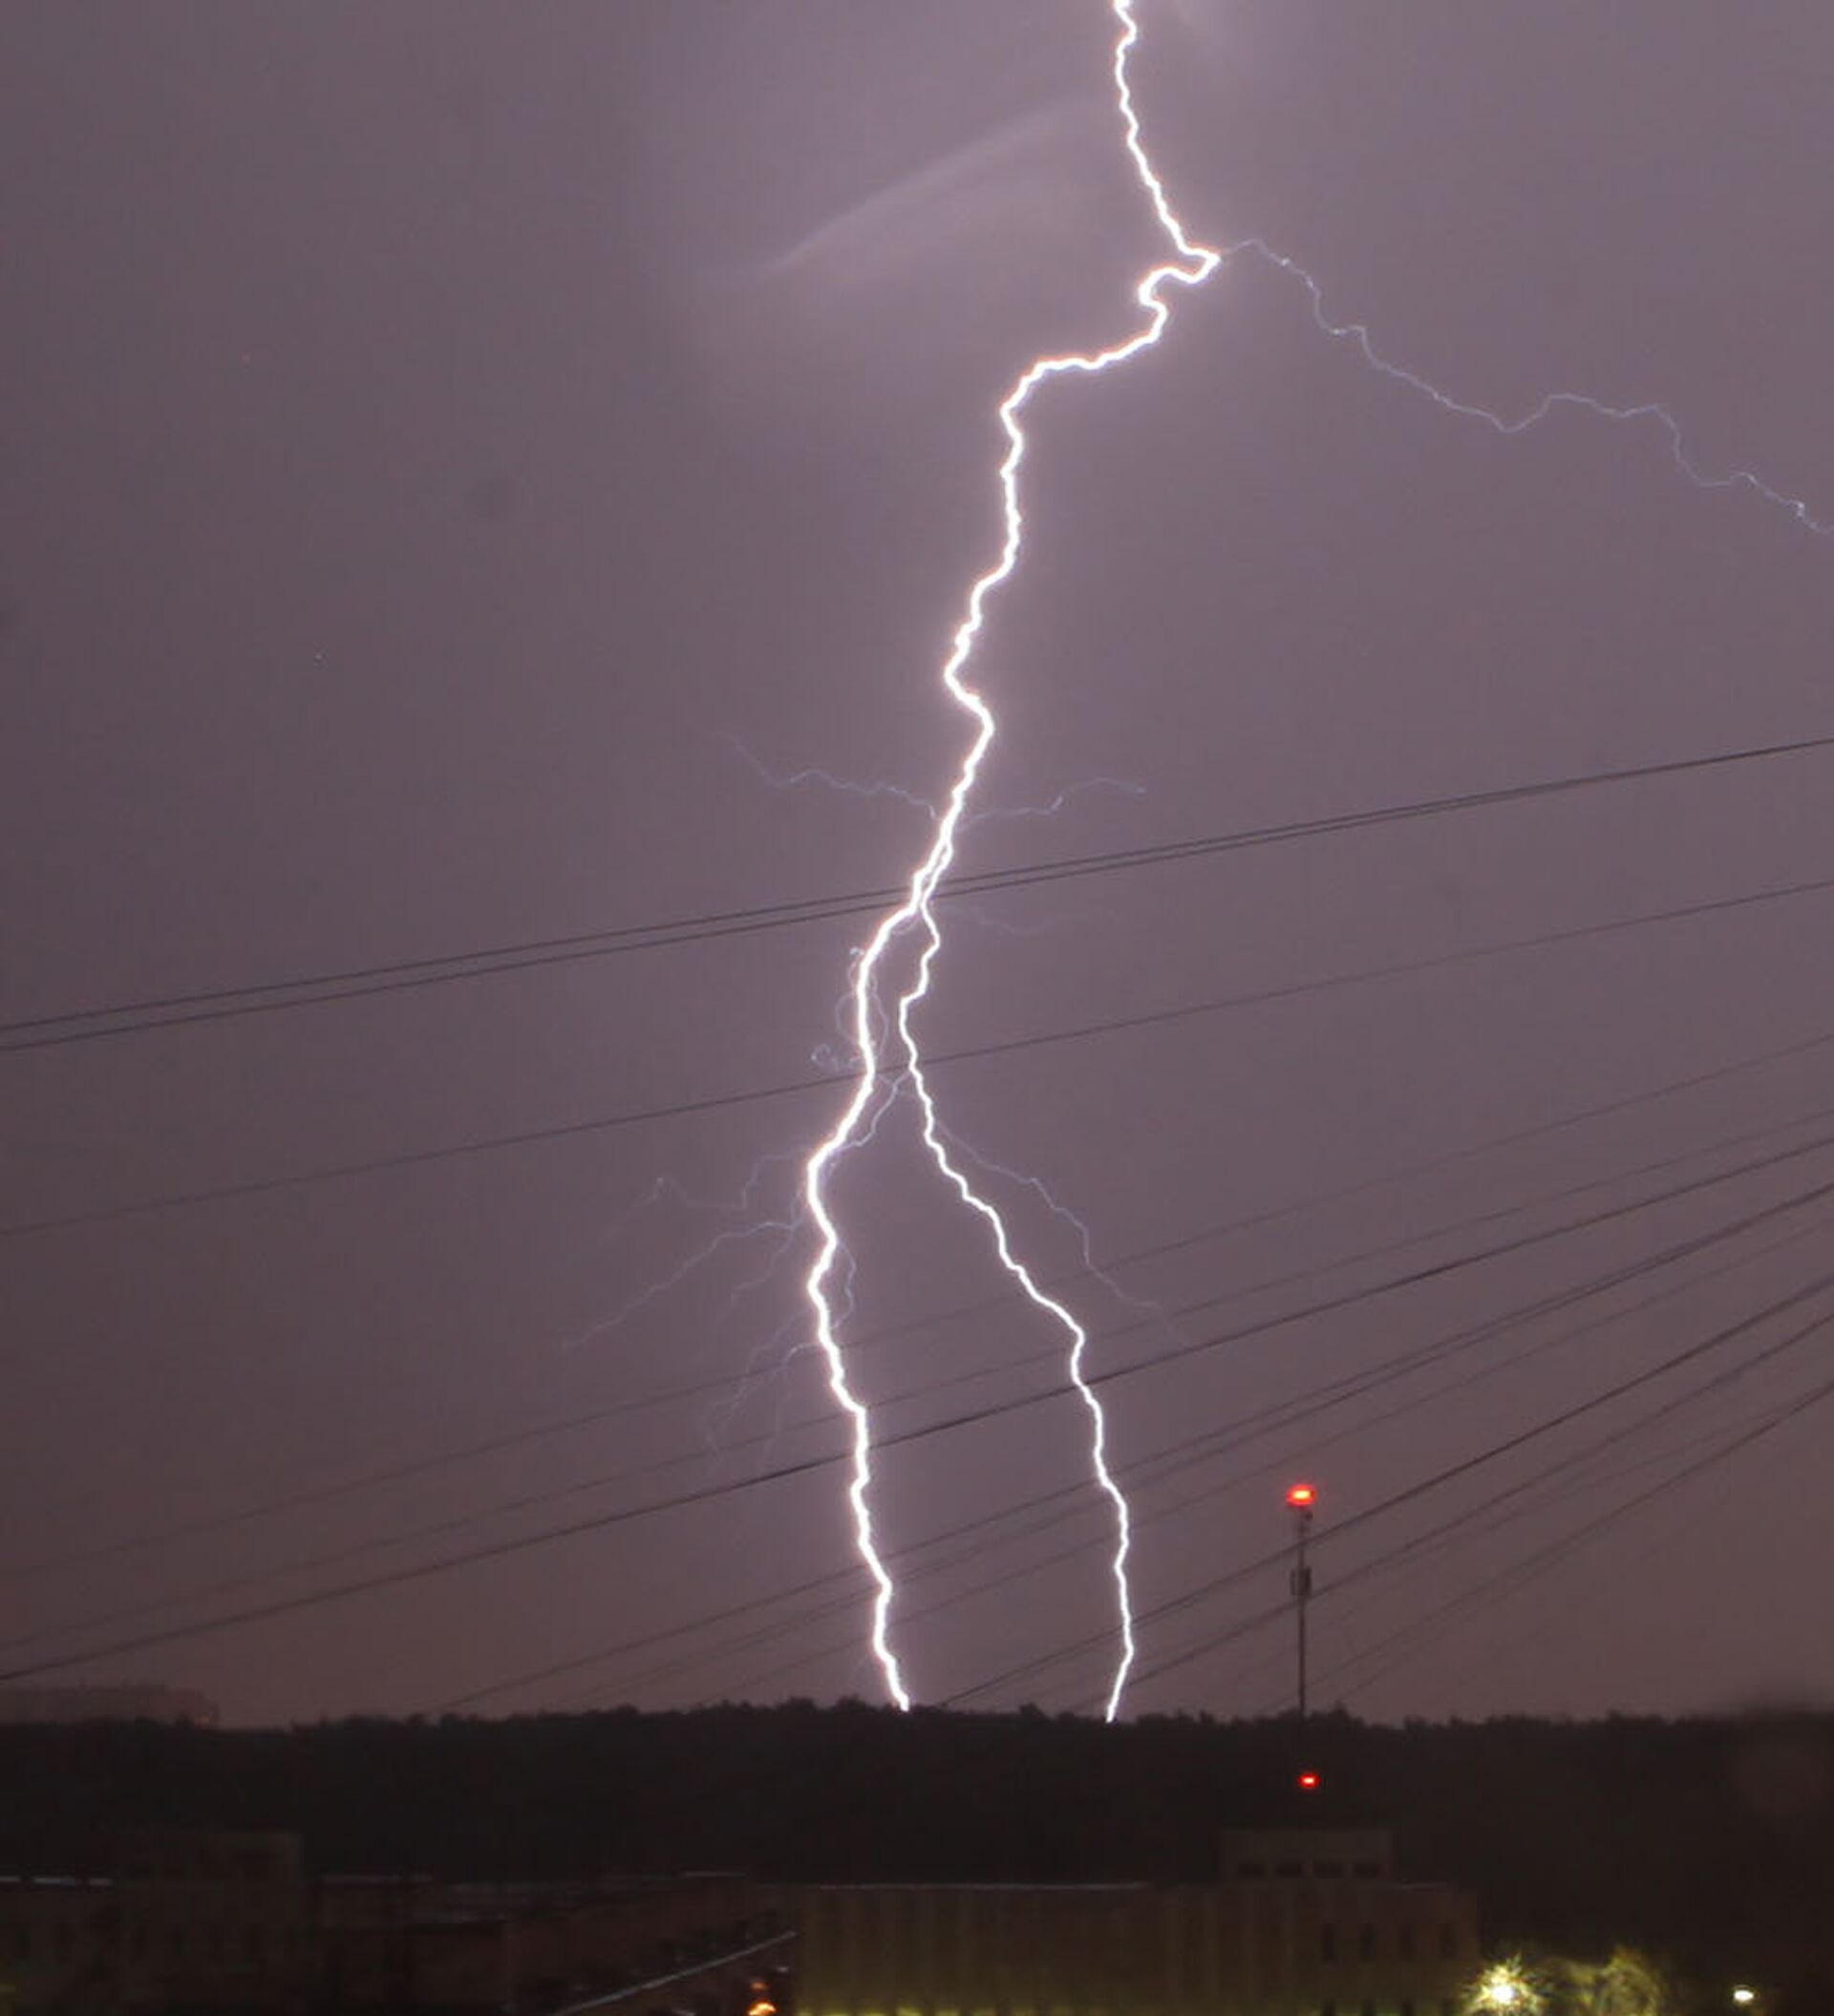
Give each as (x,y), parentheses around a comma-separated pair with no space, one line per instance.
(457,456)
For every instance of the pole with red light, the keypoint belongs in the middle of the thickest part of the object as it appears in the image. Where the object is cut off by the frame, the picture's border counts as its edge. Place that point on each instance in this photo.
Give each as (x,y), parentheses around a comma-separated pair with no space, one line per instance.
(1303,1498)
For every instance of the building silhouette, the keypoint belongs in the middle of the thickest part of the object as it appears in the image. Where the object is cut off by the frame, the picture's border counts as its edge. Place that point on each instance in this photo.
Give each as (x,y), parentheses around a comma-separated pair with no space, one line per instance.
(1300,1922)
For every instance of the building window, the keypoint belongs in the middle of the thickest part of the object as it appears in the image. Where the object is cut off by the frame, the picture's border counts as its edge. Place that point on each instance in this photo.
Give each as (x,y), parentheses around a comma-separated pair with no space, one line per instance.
(1328,1869)
(1290,1869)
(1327,1941)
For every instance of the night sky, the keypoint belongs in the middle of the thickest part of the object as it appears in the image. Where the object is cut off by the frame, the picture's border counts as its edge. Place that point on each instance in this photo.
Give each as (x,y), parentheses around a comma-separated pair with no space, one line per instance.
(477,475)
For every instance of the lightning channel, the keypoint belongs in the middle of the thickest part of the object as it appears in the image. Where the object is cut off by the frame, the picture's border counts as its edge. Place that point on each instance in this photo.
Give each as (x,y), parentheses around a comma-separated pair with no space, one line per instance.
(1190,266)
(1652,411)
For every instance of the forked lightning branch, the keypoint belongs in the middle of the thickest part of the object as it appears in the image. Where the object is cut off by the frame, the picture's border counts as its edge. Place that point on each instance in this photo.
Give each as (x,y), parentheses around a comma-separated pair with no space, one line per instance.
(881,1014)
(884,1031)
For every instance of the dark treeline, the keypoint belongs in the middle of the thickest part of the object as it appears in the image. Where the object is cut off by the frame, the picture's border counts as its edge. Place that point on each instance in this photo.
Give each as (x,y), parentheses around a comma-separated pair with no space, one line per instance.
(1710,1841)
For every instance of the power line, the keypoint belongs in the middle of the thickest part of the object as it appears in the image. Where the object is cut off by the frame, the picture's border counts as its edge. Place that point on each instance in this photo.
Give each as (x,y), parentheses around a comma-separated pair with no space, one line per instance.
(1463,1527)
(1165,1462)
(108,1020)
(1545,1489)
(1454,1533)
(723,1102)
(538,1431)
(1437,1270)
(1506,1585)
(1191,1450)
(1181,1456)
(440,1528)
(1554,1551)
(1450,1473)
(1421,1354)
(1406,1550)
(601,1521)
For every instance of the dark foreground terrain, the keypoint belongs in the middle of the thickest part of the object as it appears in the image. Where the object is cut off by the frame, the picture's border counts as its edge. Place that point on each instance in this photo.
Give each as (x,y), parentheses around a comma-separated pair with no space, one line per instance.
(1710,1842)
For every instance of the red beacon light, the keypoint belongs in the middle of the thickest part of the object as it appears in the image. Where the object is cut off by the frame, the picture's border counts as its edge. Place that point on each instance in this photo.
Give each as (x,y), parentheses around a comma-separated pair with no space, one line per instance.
(1302,1498)
(1308,1781)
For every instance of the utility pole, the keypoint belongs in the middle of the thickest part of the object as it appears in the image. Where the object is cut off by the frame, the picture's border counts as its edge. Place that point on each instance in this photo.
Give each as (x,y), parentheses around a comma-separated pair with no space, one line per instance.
(1303,1500)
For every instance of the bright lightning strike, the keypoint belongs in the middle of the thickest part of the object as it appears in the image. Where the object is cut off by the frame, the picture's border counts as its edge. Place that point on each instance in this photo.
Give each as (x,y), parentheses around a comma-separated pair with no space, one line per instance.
(874,1087)
(1192,265)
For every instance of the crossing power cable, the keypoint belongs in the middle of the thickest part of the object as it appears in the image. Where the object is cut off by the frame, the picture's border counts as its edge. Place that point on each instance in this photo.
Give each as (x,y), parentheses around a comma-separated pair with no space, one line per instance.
(1405,1551)
(1450,1473)
(1545,1490)
(601,1521)
(494,1445)
(1500,1582)
(1186,1454)
(720,1102)
(1797,1408)
(1412,1638)
(108,1020)
(1519,1501)
(1399,1556)
(445,1527)
(532,1500)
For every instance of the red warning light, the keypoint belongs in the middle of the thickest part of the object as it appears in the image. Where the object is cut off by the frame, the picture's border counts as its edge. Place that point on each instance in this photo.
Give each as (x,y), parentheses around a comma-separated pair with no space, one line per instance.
(1308,1781)
(1302,1498)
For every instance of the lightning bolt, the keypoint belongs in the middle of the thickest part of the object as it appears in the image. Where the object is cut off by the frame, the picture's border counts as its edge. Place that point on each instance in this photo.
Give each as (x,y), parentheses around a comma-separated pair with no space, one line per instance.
(1192,265)
(1085,1240)
(915,916)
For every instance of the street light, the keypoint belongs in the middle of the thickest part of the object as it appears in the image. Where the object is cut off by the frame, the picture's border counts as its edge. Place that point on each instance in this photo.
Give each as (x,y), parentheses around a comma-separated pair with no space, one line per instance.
(1506,1987)
(1745,1997)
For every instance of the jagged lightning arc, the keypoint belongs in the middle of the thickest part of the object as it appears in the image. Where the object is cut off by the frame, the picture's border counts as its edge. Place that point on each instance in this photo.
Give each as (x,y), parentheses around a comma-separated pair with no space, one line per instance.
(873,1085)
(1357,334)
